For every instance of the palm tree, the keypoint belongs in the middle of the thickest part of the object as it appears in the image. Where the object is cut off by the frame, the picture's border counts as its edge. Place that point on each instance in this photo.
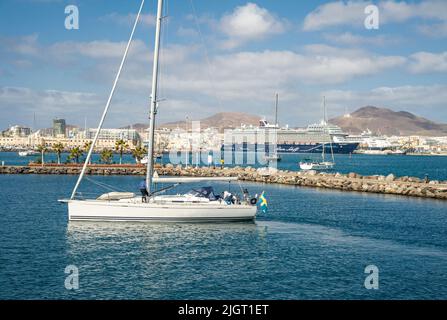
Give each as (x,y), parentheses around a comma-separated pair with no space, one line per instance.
(106,156)
(58,148)
(87,146)
(75,154)
(42,148)
(120,146)
(138,153)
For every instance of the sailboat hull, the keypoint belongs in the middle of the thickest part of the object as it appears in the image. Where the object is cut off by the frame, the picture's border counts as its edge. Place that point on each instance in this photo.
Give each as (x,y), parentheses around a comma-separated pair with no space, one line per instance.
(316,166)
(94,210)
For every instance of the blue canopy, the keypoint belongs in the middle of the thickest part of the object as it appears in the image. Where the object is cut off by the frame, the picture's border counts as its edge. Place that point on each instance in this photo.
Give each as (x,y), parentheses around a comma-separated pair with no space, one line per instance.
(204,192)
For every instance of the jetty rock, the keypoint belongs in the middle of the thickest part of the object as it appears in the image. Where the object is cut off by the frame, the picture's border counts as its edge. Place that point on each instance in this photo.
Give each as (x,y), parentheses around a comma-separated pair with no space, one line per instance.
(404,186)
(390,178)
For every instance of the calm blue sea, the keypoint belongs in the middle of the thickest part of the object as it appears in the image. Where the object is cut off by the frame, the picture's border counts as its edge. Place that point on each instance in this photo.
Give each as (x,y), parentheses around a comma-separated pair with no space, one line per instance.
(312,244)
(417,166)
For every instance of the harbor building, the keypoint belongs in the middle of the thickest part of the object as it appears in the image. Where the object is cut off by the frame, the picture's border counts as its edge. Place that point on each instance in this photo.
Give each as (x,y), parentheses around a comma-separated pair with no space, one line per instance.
(59,128)
(17,131)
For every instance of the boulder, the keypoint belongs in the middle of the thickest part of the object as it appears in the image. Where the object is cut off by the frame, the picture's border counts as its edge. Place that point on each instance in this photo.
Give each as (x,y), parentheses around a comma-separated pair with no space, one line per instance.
(352,175)
(311,173)
(390,178)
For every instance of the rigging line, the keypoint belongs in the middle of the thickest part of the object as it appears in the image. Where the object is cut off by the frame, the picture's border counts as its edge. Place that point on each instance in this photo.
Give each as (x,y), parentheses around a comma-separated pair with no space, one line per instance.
(163,66)
(108,103)
(240,186)
(104,185)
(207,58)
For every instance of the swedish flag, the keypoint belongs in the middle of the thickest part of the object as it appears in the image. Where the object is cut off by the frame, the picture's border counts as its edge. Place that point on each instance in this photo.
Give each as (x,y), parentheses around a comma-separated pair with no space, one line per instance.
(263,203)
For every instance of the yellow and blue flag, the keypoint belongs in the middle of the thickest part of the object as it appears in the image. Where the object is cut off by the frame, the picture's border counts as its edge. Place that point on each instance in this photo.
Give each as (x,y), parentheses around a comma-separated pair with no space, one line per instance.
(263,203)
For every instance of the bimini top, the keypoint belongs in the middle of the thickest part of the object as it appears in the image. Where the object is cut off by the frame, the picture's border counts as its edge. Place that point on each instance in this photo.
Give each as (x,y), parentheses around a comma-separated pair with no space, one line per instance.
(204,192)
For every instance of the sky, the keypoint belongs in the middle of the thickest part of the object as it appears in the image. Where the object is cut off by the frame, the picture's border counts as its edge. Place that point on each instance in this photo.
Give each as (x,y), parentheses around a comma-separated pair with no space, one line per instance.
(220,56)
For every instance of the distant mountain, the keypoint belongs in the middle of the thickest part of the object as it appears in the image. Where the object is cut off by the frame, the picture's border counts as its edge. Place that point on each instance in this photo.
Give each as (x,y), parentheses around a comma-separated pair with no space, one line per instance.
(388,122)
(221,121)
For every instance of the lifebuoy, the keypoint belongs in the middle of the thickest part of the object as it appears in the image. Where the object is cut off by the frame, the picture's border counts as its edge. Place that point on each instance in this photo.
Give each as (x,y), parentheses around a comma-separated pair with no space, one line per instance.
(253,201)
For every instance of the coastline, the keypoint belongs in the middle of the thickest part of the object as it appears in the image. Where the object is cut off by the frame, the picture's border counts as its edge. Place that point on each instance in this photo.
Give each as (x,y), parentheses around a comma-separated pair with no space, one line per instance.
(404,186)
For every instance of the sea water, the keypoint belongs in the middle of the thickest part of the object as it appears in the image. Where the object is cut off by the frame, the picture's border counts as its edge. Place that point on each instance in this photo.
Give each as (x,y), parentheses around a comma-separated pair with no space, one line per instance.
(311,244)
(435,167)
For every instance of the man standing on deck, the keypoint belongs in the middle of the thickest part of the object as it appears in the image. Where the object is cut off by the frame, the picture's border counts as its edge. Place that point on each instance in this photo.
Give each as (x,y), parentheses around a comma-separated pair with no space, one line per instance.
(143,191)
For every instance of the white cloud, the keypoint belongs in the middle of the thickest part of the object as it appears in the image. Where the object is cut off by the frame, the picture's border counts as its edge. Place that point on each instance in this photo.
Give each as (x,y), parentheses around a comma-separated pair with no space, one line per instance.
(25,45)
(249,22)
(401,11)
(351,13)
(248,75)
(240,81)
(437,30)
(103,49)
(335,14)
(19,102)
(427,62)
(49,99)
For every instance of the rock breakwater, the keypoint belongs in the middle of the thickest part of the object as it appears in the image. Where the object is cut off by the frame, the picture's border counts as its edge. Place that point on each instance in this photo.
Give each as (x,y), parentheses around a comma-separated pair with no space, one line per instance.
(405,186)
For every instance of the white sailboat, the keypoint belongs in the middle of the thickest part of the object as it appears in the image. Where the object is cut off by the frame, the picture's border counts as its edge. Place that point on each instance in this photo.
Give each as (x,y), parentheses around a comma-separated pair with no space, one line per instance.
(309,164)
(28,153)
(198,205)
(32,151)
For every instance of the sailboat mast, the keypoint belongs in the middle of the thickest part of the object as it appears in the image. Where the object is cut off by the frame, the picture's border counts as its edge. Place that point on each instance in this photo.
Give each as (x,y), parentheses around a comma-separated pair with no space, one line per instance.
(276,109)
(324,109)
(323,153)
(325,123)
(150,151)
(106,109)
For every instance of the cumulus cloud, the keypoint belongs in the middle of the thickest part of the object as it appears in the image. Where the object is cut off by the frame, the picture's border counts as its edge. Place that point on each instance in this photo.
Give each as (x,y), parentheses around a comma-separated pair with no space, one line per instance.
(24,45)
(22,102)
(249,22)
(102,49)
(351,13)
(335,14)
(248,75)
(245,77)
(233,80)
(437,30)
(427,62)
(401,11)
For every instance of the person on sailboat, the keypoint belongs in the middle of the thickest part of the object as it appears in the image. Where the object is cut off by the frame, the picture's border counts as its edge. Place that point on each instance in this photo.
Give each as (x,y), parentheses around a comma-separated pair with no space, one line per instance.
(143,191)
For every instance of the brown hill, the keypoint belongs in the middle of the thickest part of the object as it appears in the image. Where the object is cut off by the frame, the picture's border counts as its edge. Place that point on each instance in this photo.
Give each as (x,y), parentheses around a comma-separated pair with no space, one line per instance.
(388,122)
(221,121)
